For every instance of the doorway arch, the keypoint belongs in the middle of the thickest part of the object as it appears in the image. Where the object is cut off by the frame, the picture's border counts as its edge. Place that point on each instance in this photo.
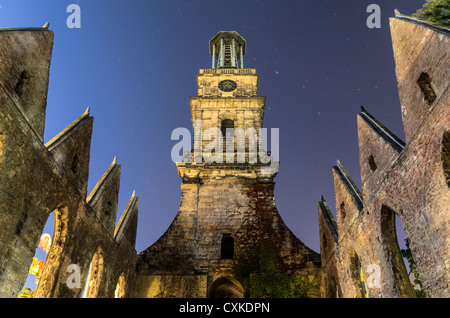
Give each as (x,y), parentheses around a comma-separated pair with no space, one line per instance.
(226,287)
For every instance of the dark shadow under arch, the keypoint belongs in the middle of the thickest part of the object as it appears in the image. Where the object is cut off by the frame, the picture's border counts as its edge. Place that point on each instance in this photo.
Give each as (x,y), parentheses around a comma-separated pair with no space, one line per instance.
(226,287)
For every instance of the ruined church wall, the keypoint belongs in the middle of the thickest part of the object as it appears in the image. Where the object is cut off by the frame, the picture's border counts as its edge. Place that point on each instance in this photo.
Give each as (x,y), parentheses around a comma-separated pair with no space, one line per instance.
(35,181)
(408,180)
(418,48)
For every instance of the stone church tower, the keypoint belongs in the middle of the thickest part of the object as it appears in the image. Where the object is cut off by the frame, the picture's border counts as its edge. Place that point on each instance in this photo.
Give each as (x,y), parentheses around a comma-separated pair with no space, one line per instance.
(227,201)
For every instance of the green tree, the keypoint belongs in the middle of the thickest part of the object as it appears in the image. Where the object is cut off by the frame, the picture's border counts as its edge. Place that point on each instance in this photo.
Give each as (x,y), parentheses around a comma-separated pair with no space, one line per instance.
(258,265)
(413,268)
(437,11)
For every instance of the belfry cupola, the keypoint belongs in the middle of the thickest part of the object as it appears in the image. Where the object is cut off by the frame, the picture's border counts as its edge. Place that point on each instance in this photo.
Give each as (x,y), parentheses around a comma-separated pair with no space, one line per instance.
(227,49)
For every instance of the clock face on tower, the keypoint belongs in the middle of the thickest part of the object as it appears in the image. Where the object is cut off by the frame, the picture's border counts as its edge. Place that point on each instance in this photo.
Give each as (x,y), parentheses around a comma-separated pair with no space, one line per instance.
(227,85)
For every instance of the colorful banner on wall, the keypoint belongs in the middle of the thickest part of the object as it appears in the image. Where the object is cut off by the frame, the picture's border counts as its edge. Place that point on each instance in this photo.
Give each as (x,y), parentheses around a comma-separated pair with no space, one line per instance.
(45,242)
(27,293)
(36,268)
(363,283)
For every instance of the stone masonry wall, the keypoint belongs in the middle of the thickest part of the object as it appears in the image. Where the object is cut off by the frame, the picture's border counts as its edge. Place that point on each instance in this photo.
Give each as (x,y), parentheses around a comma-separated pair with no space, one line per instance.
(36,180)
(398,179)
(210,209)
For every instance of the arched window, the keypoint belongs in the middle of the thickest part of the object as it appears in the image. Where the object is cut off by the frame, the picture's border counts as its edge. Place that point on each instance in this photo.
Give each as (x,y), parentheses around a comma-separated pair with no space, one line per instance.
(22,83)
(39,260)
(108,209)
(120,287)
(342,209)
(394,255)
(75,164)
(372,164)
(226,123)
(227,247)
(424,83)
(50,251)
(94,276)
(324,241)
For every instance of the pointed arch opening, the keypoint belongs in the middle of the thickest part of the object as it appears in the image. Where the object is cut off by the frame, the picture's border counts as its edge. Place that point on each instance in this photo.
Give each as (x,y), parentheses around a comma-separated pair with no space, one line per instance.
(120,287)
(372,163)
(393,253)
(428,93)
(342,210)
(39,260)
(227,127)
(357,276)
(49,250)
(226,287)
(94,277)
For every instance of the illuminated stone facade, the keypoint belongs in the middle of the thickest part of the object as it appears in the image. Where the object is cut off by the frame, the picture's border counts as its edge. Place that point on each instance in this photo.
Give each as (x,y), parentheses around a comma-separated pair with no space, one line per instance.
(227,201)
(360,254)
(215,200)
(37,179)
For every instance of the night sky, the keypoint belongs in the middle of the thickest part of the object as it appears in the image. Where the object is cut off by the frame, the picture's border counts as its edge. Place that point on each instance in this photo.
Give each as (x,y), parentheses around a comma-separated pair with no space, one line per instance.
(135,64)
